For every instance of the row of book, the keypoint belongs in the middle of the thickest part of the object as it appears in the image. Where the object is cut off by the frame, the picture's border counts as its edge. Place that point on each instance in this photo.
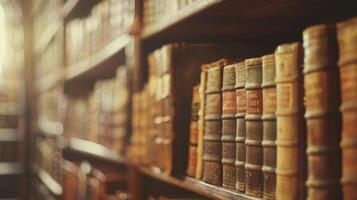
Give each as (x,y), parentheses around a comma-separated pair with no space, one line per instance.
(84,181)
(49,158)
(102,115)
(108,20)
(247,131)
(155,11)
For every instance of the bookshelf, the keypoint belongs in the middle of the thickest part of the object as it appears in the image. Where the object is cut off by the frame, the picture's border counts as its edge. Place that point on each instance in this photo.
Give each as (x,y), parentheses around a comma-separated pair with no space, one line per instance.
(52,185)
(272,22)
(101,64)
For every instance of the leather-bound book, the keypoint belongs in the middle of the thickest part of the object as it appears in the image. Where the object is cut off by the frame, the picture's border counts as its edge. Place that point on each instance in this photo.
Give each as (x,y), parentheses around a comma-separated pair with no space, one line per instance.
(229,126)
(322,99)
(269,126)
(202,96)
(212,146)
(254,128)
(290,123)
(240,125)
(347,37)
(192,152)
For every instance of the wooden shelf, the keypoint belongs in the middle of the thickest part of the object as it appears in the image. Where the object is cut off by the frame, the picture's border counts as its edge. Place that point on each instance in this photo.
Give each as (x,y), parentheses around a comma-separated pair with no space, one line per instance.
(77,8)
(197,186)
(93,150)
(10,168)
(227,20)
(101,64)
(47,36)
(9,135)
(47,82)
(54,187)
(173,20)
(49,128)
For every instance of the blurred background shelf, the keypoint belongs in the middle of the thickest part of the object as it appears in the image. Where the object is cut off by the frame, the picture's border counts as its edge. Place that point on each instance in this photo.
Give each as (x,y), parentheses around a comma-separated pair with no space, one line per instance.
(11,168)
(92,150)
(9,135)
(51,184)
(101,64)
(77,8)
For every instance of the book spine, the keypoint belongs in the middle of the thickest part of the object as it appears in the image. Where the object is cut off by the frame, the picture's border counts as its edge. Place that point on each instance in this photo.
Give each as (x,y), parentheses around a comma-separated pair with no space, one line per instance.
(290,127)
(240,125)
(229,126)
(254,128)
(322,115)
(192,158)
(212,146)
(269,126)
(202,89)
(347,32)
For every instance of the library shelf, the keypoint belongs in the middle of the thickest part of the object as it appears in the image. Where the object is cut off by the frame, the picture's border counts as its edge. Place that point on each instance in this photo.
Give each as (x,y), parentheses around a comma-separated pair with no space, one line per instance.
(47,36)
(76,8)
(227,20)
(9,135)
(47,82)
(196,186)
(49,128)
(10,168)
(93,150)
(101,64)
(51,184)
(184,14)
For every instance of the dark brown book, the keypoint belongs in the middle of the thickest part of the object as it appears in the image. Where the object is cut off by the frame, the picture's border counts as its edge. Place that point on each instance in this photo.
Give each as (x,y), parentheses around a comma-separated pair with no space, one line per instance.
(212,146)
(240,125)
(229,126)
(322,100)
(291,137)
(192,155)
(347,34)
(254,128)
(269,126)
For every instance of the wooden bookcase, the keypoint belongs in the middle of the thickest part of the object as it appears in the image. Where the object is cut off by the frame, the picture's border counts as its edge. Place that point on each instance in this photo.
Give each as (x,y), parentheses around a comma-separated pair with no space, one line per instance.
(271,22)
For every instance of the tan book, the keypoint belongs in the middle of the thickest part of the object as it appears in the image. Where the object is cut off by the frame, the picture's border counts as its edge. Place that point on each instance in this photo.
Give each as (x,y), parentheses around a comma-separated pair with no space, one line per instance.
(323,120)
(291,134)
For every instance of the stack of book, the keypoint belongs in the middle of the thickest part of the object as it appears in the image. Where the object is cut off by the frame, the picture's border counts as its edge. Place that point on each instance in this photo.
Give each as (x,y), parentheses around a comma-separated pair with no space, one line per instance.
(107,21)
(156,11)
(85,181)
(161,110)
(49,158)
(102,115)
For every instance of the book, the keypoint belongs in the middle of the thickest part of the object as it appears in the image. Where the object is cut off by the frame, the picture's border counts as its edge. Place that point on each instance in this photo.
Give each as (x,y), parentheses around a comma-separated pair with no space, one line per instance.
(240,71)
(346,34)
(322,100)
(202,89)
(212,146)
(254,128)
(269,126)
(228,126)
(291,136)
(192,156)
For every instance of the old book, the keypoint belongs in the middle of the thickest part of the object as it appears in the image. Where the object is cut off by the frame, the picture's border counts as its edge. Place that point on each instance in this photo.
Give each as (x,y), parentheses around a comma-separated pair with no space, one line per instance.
(290,127)
(212,146)
(229,126)
(240,71)
(202,89)
(254,128)
(269,126)
(347,34)
(192,155)
(322,100)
